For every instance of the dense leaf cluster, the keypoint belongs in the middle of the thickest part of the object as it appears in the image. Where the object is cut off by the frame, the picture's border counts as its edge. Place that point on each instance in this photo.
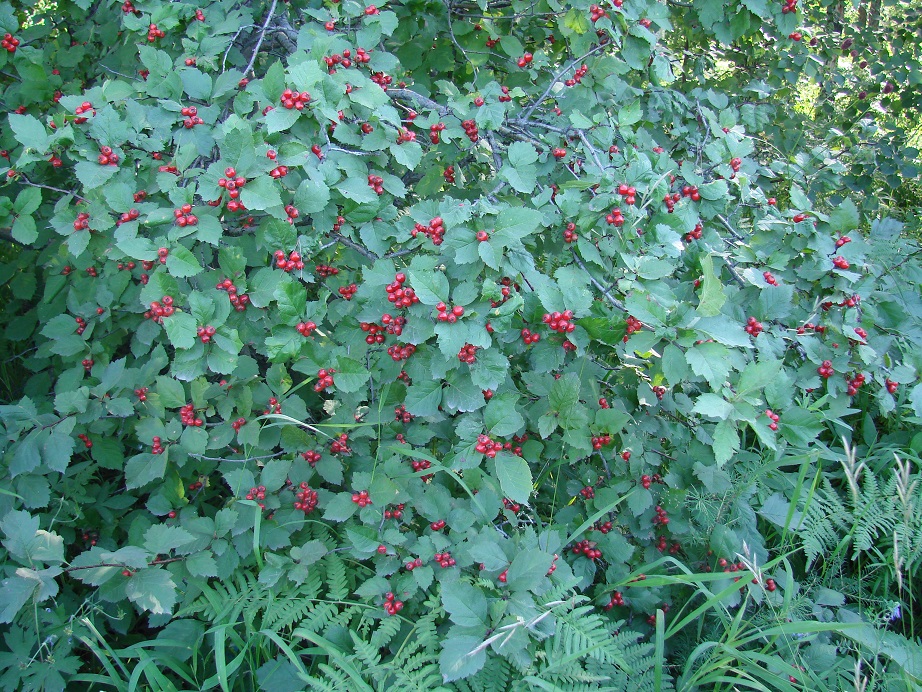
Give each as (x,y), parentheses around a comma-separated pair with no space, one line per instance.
(509,313)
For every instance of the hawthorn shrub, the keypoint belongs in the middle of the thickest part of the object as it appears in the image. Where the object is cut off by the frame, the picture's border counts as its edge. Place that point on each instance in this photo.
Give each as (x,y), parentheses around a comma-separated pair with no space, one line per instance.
(482,345)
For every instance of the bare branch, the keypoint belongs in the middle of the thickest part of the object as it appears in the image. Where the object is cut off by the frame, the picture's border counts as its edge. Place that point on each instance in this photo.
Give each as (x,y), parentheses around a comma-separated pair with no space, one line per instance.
(611,299)
(262,36)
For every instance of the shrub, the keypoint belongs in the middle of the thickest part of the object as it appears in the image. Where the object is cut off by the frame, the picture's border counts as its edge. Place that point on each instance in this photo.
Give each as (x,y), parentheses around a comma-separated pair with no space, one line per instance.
(459,340)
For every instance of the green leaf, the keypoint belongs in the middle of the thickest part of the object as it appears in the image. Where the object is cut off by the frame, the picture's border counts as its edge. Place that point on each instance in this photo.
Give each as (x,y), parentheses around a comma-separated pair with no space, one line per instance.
(458,659)
(845,217)
(180,329)
(171,392)
(160,539)
(351,375)
(91,175)
(712,296)
(465,604)
(713,406)
(500,416)
(57,451)
(513,224)
(423,398)
(181,263)
(29,132)
(431,286)
(340,507)
(261,193)
(514,477)
(528,570)
(726,441)
(24,230)
(152,589)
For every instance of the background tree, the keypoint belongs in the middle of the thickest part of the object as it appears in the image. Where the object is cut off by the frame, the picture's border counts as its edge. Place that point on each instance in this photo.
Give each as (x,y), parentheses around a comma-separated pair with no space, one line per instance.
(469,344)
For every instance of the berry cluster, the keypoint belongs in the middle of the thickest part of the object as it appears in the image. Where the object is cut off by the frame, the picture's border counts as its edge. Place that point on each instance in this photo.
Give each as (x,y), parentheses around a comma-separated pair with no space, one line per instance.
(695,233)
(602,527)
(160,309)
(769,278)
(818,328)
(692,192)
(325,271)
(569,233)
(505,98)
(616,600)
(361,498)
(278,172)
(274,406)
(470,129)
(437,525)
(661,545)
(615,218)
(596,13)
(381,79)
(449,175)
(238,423)
(891,385)
(413,564)
(753,326)
(232,183)
(671,200)
(511,506)
(375,333)
(205,333)
(127,216)
(489,447)
(348,291)
(588,492)
(82,222)
(305,498)
(324,379)
(587,548)
(293,261)
(396,513)
(187,415)
(503,576)
(435,230)
(435,132)
(311,457)
(422,465)
(393,325)
(854,384)
(305,328)
(560,321)
(256,493)
(468,354)
(91,271)
(391,606)
(239,302)
(577,77)
(825,370)
(405,135)
(799,217)
(525,60)
(398,295)
(9,43)
(402,415)
(840,262)
(190,117)
(446,315)
(646,481)
(84,107)
(628,192)
(399,352)
(530,337)
(735,164)
(87,364)
(153,33)
(156,446)
(376,183)
(661,518)
(341,445)
(184,216)
(445,560)
(599,441)
(774,417)
(843,241)
(789,6)
(293,99)
(141,393)
(162,254)
(107,157)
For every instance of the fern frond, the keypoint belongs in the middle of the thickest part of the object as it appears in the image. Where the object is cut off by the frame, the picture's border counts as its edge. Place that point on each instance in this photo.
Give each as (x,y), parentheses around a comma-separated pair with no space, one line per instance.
(337,581)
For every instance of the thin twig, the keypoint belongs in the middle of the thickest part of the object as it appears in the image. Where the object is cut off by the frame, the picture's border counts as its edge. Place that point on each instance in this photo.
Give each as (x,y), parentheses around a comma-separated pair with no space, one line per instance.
(262,36)
(26,181)
(614,301)
(557,76)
